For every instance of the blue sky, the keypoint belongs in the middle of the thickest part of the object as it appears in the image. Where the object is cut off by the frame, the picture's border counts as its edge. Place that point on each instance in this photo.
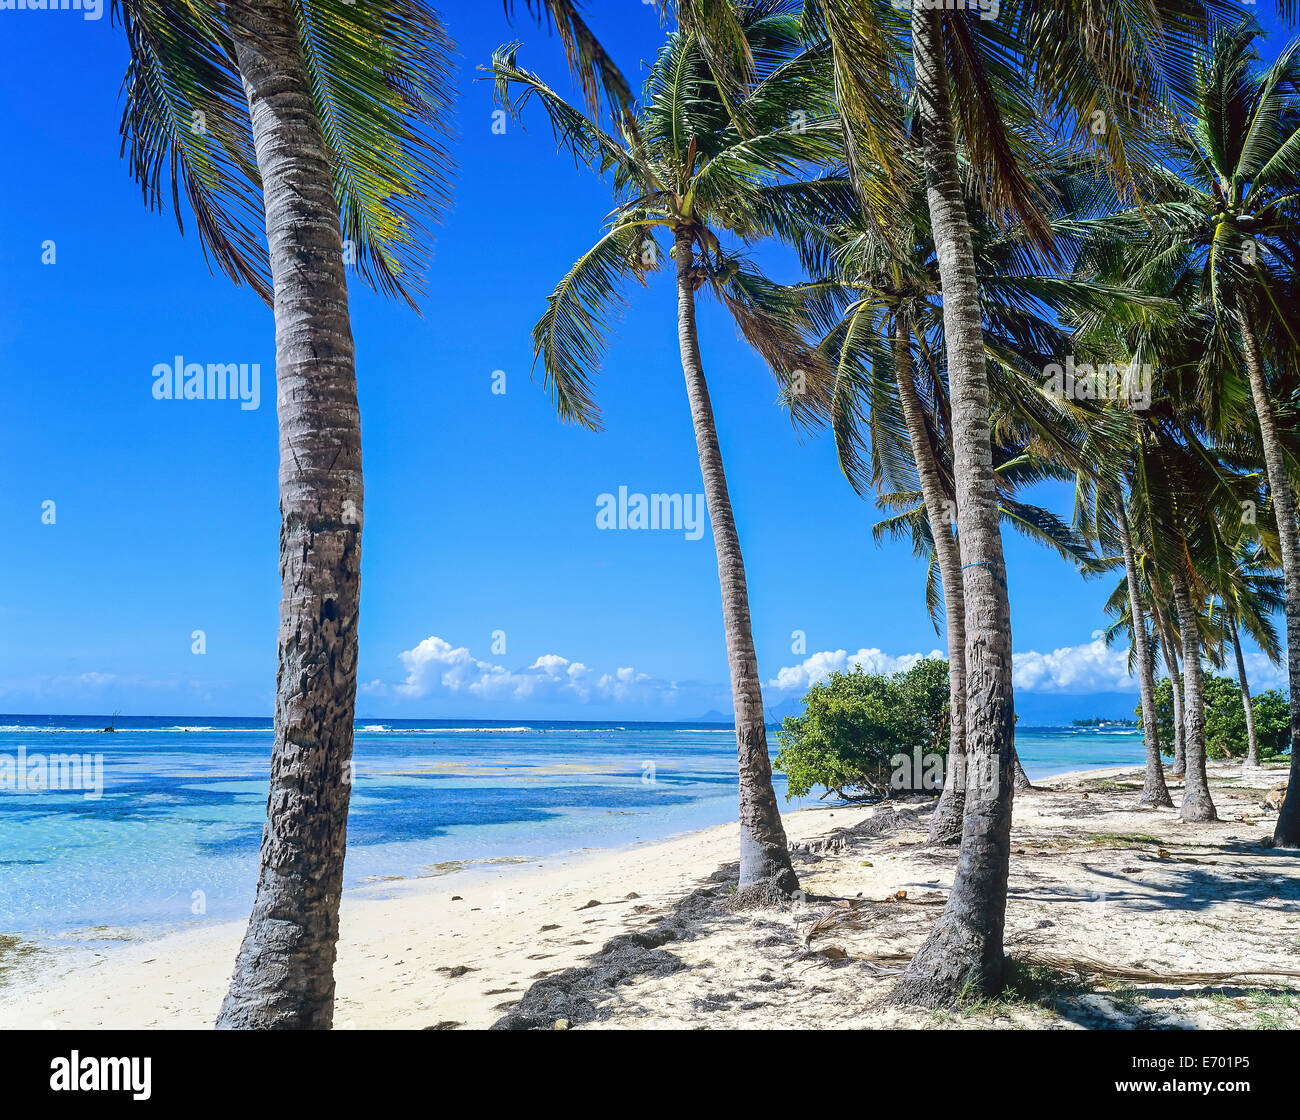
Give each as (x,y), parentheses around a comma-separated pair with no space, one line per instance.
(480,507)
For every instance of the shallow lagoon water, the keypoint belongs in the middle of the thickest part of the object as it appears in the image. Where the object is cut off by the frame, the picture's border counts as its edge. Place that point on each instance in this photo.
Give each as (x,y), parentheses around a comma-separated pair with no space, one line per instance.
(173,840)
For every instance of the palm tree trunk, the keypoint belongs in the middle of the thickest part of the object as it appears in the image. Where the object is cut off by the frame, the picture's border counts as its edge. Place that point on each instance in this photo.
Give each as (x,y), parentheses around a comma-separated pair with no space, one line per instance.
(764,852)
(1169,651)
(1154,790)
(1197,805)
(284,974)
(964,952)
(1287,832)
(1248,707)
(1018,776)
(945,824)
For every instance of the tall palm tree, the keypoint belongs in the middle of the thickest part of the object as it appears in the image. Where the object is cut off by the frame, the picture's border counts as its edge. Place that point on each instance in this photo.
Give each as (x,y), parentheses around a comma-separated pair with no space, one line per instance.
(704,162)
(1225,201)
(325,122)
(891,410)
(958,67)
(1169,654)
(1187,494)
(1110,520)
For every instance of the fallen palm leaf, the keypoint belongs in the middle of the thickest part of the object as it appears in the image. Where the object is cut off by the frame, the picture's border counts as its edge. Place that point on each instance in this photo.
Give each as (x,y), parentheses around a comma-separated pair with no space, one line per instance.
(1087,966)
(1081,966)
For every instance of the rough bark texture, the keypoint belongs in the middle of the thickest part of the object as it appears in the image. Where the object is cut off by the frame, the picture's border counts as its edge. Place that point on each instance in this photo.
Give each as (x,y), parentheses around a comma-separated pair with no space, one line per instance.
(764,852)
(1170,654)
(1197,805)
(284,974)
(945,823)
(1154,789)
(1248,707)
(1018,776)
(964,953)
(1287,832)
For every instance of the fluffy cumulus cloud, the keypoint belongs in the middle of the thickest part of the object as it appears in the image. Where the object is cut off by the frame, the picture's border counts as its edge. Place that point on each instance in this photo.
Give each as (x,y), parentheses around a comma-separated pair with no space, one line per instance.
(1095,668)
(437,668)
(1090,667)
(819,666)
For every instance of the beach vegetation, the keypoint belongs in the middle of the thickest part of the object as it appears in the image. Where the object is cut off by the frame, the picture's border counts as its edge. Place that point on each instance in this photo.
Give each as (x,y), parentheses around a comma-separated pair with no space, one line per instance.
(858,729)
(1226,733)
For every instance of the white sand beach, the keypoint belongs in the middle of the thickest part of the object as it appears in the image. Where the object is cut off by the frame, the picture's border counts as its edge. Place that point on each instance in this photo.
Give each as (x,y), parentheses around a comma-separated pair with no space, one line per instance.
(1092,877)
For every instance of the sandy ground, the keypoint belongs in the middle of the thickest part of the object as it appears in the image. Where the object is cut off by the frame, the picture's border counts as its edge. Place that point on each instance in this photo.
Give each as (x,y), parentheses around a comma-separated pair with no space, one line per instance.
(1092,878)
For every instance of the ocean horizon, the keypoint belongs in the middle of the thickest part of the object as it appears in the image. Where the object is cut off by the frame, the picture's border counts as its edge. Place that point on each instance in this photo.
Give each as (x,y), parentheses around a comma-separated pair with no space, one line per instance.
(171,840)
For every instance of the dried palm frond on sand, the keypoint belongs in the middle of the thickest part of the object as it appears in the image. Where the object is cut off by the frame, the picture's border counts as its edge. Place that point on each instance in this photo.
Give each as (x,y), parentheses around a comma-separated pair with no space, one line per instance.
(861,913)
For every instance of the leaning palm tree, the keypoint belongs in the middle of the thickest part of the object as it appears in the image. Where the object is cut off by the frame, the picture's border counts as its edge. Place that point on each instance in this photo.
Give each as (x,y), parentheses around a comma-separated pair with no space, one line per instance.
(963,75)
(323,124)
(704,164)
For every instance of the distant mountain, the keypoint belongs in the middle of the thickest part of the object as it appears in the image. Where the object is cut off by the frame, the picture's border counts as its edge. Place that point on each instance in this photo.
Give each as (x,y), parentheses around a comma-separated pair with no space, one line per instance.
(775,712)
(792,707)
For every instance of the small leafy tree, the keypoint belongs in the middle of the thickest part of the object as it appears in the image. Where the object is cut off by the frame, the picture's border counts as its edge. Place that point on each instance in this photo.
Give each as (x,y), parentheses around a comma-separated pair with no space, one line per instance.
(856,724)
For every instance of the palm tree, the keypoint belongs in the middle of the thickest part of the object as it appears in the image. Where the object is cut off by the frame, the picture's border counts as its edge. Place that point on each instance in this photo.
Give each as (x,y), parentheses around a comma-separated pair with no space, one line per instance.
(701,162)
(1187,494)
(1155,792)
(323,124)
(1111,520)
(1169,654)
(326,123)
(891,413)
(1246,594)
(958,69)
(1224,201)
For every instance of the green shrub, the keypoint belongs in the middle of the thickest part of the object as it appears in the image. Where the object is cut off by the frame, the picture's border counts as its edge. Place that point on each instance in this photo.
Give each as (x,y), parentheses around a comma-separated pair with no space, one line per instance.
(1225,719)
(855,724)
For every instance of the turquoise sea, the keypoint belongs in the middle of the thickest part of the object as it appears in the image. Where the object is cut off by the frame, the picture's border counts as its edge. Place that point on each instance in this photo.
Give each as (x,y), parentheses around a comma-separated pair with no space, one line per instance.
(183,802)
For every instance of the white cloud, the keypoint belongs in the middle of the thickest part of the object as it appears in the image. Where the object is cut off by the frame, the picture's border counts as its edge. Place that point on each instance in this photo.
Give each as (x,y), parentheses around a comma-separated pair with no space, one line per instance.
(819,666)
(87,683)
(1260,672)
(1095,668)
(1091,667)
(437,668)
